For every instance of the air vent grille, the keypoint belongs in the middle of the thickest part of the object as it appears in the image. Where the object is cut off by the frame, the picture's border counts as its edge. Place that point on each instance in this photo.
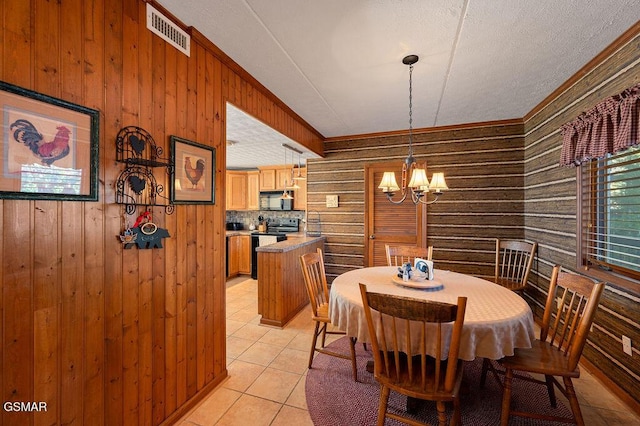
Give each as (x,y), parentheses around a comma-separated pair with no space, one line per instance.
(168,31)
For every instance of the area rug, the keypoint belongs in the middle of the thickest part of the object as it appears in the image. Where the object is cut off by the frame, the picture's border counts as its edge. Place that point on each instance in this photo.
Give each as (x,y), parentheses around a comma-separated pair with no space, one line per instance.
(334,399)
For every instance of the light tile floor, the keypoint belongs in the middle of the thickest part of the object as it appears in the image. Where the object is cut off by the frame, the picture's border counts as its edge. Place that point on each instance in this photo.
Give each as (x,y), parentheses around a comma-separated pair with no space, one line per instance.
(267,372)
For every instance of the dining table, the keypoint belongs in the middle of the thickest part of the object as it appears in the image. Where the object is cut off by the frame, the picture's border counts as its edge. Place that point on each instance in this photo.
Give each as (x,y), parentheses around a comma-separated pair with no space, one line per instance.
(496,321)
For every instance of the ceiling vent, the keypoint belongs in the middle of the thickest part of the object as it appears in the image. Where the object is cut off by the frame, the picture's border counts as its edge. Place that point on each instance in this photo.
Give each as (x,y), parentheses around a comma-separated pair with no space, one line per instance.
(168,31)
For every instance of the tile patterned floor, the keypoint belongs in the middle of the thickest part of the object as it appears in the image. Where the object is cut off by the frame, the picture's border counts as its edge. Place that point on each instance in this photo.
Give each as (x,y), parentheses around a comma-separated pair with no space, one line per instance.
(267,372)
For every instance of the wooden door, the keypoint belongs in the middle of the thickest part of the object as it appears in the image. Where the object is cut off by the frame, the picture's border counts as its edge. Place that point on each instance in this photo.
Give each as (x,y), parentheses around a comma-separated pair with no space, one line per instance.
(387,223)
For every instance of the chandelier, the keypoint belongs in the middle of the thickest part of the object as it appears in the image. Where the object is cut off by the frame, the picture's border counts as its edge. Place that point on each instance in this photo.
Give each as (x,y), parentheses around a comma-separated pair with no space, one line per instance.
(418,186)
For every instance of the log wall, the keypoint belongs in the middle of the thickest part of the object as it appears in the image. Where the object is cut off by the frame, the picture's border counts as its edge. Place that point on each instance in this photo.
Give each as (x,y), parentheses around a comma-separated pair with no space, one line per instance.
(550,209)
(101,334)
(483,165)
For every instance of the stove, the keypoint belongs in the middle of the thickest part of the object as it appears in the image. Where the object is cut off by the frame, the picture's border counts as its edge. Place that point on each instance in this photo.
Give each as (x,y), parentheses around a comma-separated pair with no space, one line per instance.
(284,225)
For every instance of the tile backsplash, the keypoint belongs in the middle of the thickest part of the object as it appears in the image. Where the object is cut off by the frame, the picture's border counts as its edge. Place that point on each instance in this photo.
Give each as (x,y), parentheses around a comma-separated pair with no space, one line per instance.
(251,217)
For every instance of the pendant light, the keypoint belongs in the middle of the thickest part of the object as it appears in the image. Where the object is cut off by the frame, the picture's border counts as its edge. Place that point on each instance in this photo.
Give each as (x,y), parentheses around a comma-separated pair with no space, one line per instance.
(299,175)
(285,194)
(418,186)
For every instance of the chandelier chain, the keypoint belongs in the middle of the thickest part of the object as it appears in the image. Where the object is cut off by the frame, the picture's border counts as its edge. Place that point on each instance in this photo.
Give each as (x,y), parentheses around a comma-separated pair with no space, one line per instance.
(414,179)
(410,110)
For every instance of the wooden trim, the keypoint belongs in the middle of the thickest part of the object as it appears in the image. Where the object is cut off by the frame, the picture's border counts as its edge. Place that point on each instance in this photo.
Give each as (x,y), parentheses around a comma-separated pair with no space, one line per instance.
(618,43)
(197,398)
(610,278)
(422,130)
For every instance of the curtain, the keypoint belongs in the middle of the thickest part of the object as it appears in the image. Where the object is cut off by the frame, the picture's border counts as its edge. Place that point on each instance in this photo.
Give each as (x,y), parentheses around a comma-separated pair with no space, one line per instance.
(609,127)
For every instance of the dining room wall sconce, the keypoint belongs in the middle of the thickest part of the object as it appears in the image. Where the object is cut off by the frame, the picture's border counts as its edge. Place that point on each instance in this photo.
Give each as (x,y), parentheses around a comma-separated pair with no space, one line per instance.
(418,186)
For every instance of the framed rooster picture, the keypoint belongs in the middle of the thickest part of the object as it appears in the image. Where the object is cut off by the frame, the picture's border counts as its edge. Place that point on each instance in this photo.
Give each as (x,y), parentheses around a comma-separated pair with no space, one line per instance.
(49,147)
(194,165)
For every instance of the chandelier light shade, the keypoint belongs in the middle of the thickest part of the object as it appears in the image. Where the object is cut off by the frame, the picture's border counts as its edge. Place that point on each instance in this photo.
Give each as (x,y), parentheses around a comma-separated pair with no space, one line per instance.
(389,183)
(418,186)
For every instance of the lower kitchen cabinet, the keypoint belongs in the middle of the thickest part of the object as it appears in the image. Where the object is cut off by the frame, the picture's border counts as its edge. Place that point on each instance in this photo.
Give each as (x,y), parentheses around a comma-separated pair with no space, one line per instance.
(244,259)
(238,255)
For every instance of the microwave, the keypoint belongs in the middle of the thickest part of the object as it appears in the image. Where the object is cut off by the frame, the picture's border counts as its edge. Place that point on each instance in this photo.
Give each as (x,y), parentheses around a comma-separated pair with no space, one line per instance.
(274,201)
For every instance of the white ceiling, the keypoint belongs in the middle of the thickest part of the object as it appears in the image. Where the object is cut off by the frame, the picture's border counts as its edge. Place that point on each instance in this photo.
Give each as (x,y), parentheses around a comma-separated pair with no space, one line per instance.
(338,63)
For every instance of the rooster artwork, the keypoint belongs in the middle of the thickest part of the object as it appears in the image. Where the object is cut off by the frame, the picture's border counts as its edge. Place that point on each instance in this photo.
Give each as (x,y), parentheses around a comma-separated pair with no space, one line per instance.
(194,174)
(47,151)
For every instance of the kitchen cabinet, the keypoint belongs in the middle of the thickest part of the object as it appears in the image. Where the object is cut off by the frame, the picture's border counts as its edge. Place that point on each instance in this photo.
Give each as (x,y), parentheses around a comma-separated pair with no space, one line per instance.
(275,178)
(238,255)
(267,179)
(233,256)
(253,190)
(244,258)
(281,293)
(300,194)
(283,178)
(236,190)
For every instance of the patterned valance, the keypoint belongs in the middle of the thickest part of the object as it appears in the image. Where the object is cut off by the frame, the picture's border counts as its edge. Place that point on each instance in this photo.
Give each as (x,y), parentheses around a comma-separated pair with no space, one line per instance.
(609,127)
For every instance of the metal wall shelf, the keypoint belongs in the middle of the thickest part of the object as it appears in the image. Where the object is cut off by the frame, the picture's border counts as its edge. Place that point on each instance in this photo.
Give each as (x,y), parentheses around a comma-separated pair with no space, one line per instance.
(136,184)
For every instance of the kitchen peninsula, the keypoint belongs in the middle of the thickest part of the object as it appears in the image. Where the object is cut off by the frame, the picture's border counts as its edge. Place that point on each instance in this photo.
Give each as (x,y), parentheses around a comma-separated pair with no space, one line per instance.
(281,290)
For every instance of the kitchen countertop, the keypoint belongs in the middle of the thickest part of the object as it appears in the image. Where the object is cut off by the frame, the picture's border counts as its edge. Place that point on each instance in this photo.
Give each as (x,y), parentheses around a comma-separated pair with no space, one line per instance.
(289,244)
(241,232)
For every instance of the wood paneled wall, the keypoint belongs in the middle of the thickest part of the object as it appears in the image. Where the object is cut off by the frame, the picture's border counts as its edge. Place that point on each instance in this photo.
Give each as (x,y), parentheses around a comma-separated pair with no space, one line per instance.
(483,165)
(101,334)
(550,209)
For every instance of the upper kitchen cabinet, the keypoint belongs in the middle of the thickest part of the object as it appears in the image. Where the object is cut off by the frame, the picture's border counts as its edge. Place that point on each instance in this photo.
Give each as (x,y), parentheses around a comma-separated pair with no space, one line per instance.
(243,190)
(300,195)
(275,178)
(268,179)
(253,190)
(283,178)
(236,190)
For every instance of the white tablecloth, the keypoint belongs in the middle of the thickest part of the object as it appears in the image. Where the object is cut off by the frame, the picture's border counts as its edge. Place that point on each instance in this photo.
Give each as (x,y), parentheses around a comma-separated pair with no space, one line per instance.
(496,321)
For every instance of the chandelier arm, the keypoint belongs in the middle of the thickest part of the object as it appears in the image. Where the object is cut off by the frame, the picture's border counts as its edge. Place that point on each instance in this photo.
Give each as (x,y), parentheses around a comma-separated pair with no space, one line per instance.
(428,202)
(404,197)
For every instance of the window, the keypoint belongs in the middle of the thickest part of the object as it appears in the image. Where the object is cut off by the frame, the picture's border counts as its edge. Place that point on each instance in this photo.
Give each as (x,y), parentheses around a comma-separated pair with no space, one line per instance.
(610,213)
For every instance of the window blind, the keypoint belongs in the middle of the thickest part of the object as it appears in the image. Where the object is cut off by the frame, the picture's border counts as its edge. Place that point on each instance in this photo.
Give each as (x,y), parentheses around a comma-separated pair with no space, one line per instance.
(611,212)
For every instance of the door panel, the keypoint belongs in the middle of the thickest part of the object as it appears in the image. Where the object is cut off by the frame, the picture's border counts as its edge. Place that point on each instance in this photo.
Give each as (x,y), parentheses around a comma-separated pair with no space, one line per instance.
(387,223)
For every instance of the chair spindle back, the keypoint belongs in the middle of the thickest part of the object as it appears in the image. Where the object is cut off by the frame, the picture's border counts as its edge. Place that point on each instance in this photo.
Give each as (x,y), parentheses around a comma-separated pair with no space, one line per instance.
(315,279)
(514,260)
(398,362)
(399,255)
(569,312)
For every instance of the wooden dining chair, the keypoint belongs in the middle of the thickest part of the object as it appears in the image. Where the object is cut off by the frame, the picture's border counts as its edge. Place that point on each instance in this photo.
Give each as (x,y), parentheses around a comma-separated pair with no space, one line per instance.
(569,312)
(399,255)
(513,263)
(411,372)
(316,283)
